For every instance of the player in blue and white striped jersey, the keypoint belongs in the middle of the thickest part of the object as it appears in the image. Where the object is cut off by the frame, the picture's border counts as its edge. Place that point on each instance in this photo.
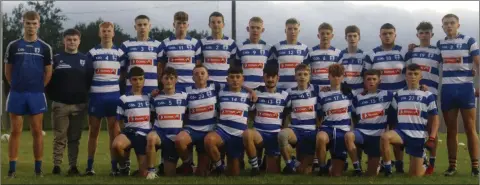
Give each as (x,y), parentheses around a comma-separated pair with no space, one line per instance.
(134,112)
(288,54)
(353,60)
(106,63)
(218,50)
(169,106)
(234,103)
(320,57)
(371,108)
(302,102)
(181,52)
(416,110)
(143,52)
(268,119)
(253,54)
(335,107)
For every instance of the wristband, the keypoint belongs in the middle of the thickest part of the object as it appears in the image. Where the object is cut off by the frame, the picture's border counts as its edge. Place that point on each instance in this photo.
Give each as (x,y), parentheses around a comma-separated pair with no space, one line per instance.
(431,138)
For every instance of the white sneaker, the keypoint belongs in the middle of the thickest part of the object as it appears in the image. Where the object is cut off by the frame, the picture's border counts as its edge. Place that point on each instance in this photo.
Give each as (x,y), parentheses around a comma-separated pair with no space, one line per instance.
(152,175)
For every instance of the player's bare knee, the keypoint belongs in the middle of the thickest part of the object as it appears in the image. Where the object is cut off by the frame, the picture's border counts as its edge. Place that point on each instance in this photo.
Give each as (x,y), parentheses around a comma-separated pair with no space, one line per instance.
(209,140)
(349,137)
(322,138)
(283,138)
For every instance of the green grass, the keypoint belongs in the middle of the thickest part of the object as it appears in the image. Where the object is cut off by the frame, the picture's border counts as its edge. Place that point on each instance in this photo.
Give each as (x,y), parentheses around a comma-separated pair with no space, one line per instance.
(25,173)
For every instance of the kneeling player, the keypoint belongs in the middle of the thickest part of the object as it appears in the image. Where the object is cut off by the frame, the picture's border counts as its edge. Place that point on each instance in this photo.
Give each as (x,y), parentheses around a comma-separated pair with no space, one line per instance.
(335,111)
(267,123)
(134,111)
(302,132)
(414,109)
(234,104)
(371,109)
(170,108)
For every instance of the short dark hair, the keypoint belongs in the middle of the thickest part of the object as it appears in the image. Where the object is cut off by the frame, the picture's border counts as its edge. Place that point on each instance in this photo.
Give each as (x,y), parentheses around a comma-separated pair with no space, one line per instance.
(372,72)
(352,29)
(235,70)
(200,66)
(451,15)
(387,26)
(180,16)
(142,17)
(270,70)
(336,70)
(325,26)
(424,26)
(135,71)
(302,67)
(71,32)
(413,67)
(170,71)
(216,14)
(292,21)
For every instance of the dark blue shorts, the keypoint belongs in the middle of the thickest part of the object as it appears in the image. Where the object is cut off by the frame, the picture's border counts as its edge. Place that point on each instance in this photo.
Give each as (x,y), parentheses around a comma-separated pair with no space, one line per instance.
(138,139)
(270,143)
(461,96)
(306,140)
(197,139)
(369,144)
(233,145)
(169,151)
(413,146)
(26,103)
(103,105)
(337,147)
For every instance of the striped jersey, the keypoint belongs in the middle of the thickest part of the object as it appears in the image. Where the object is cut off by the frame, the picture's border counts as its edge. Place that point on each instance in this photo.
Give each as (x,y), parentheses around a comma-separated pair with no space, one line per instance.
(106,64)
(217,55)
(319,61)
(169,110)
(304,107)
(392,66)
(181,54)
(288,56)
(458,61)
(201,105)
(372,110)
(233,109)
(336,109)
(253,58)
(143,54)
(354,64)
(269,109)
(413,109)
(134,110)
(429,59)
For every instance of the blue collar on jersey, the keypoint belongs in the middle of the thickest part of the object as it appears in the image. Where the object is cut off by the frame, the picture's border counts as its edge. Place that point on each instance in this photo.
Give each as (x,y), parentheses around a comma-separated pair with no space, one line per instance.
(176,92)
(459,36)
(346,50)
(317,47)
(173,37)
(136,40)
(227,88)
(211,38)
(130,93)
(247,41)
(284,42)
(379,48)
(264,89)
(99,46)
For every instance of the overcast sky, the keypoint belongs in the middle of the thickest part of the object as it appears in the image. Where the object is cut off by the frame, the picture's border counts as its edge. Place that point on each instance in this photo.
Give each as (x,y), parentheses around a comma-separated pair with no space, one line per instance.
(369,16)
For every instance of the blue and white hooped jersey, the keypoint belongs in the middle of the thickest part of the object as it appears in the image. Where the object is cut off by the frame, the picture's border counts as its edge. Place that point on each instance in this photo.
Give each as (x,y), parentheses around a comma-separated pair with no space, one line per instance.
(335,109)
(134,110)
(354,64)
(143,54)
(372,112)
(182,56)
(106,64)
(304,107)
(392,66)
(288,56)
(253,58)
(202,110)
(234,107)
(169,110)
(269,109)
(458,61)
(429,59)
(217,55)
(319,61)
(413,109)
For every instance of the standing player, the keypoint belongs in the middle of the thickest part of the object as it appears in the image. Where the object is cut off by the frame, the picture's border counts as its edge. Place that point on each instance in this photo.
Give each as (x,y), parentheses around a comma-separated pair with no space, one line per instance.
(353,60)
(428,58)
(134,111)
(218,50)
(390,59)
(234,104)
(28,70)
(460,61)
(169,107)
(288,54)
(415,110)
(322,56)
(253,54)
(267,123)
(302,101)
(181,52)
(370,107)
(105,64)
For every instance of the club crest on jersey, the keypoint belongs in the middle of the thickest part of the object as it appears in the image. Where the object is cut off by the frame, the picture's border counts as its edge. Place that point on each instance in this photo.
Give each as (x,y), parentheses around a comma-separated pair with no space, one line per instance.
(459,46)
(61,61)
(82,62)
(150,48)
(262,52)
(37,50)
(225,47)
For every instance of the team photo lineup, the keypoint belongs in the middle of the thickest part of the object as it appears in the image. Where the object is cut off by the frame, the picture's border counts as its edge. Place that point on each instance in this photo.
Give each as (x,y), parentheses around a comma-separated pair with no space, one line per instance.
(219,106)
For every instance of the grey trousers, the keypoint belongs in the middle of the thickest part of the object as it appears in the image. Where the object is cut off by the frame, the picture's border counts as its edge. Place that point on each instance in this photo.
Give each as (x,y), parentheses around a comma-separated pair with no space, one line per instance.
(67,124)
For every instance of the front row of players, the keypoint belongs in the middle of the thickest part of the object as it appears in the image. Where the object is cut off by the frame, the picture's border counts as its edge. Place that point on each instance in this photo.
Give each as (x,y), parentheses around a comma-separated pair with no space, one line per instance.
(311,119)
